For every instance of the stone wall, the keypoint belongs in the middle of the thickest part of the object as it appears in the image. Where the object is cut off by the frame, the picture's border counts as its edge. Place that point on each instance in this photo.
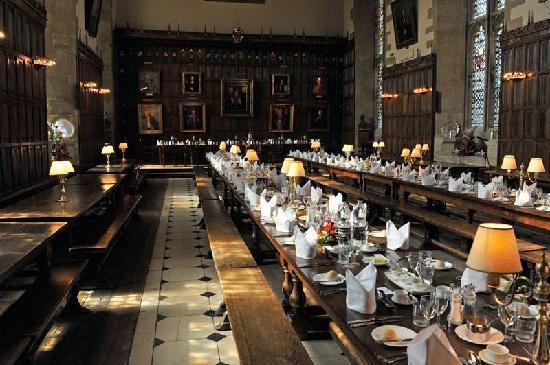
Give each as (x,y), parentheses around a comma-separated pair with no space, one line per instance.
(517,12)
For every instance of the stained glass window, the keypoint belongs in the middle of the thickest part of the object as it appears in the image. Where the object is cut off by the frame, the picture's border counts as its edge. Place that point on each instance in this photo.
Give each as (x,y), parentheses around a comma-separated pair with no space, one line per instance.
(479,8)
(380,39)
(478,78)
(497,74)
(501,4)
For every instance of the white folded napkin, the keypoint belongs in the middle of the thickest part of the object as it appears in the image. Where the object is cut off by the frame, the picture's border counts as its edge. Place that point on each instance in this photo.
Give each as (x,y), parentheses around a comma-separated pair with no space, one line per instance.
(530,188)
(316,195)
(251,196)
(334,203)
(284,220)
(267,208)
(467,178)
(409,176)
(455,185)
(360,166)
(304,190)
(428,179)
(431,347)
(361,290)
(422,172)
(485,191)
(398,238)
(523,199)
(306,243)
(374,168)
(445,172)
(477,278)
(239,183)
(498,179)
(390,170)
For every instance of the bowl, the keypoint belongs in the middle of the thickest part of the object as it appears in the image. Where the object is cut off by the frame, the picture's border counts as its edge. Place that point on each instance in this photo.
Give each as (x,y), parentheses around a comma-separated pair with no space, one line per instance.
(498,353)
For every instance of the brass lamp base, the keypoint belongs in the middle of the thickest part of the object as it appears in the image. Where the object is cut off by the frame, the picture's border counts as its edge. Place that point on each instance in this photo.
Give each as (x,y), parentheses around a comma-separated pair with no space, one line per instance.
(63,198)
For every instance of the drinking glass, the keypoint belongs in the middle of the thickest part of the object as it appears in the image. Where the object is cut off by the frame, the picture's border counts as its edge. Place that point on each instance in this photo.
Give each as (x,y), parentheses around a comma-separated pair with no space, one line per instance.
(426,271)
(507,317)
(420,315)
(413,260)
(344,252)
(442,295)
(525,328)
(424,255)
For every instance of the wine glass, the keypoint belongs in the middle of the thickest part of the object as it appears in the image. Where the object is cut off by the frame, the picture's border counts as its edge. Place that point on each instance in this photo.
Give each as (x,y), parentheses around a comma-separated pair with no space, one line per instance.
(429,306)
(426,271)
(507,317)
(442,295)
(413,259)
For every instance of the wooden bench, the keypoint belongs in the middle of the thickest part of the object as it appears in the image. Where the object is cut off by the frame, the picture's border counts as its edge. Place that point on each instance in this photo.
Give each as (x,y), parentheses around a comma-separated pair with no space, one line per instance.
(432,220)
(99,251)
(27,321)
(261,330)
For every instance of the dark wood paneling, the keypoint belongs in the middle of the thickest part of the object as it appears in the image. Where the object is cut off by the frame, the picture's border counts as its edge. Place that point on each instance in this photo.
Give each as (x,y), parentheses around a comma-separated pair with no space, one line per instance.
(409,118)
(348,117)
(23,133)
(524,129)
(90,133)
(216,57)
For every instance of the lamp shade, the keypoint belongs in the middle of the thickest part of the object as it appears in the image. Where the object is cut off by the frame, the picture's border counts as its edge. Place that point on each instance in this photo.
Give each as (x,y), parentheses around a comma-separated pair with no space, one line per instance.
(235,149)
(296,169)
(509,163)
(123,146)
(251,155)
(418,146)
(425,147)
(286,165)
(107,150)
(316,144)
(495,250)
(405,152)
(223,146)
(375,144)
(347,148)
(381,144)
(416,153)
(61,168)
(536,165)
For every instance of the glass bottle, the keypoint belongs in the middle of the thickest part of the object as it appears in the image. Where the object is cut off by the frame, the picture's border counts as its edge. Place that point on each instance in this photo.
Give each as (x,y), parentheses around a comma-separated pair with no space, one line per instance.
(469,296)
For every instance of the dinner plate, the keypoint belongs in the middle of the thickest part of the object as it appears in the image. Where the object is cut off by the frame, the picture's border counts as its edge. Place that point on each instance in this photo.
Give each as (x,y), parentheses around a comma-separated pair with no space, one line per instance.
(495,336)
(410,301)
(289,241)
(543,208)
(483,355)
(446,265)
(368,248)
(501,199)
(401,332)
(318,278)
(369,259)
(378,234)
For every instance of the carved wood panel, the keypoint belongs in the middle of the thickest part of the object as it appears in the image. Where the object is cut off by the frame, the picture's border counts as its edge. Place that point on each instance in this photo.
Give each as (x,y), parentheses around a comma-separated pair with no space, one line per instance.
(524,129)
(216,57)
(23,132)
(409,118)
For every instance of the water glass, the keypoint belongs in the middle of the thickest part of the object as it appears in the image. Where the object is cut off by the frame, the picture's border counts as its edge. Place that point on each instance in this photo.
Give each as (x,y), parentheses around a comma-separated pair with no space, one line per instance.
(507,317)
(525,328)
(344,252)
(413,260)
(424,255)
(442,296)
(420,315)
(426,271)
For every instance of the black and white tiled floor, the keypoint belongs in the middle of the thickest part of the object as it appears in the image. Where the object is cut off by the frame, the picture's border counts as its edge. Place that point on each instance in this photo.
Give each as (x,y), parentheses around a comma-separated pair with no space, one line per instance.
(176,323)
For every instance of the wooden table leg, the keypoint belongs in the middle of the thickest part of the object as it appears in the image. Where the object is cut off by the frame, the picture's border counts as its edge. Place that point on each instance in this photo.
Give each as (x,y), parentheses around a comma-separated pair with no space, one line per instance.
(298,314)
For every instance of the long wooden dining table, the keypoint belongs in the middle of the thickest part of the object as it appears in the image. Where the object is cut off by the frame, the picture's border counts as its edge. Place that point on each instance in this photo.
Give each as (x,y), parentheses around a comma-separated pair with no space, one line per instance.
(357,342)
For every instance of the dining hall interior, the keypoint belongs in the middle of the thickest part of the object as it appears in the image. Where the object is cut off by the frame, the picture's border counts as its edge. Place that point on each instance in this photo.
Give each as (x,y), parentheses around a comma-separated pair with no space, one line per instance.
(221,182)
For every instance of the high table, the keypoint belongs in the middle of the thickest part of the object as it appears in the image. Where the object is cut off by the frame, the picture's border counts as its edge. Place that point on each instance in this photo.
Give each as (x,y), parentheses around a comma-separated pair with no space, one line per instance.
(96,179)
(356,342)
(22,243)
(117,167)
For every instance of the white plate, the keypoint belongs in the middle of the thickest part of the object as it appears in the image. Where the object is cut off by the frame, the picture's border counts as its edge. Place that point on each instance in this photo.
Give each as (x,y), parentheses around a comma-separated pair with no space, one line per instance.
(290,241)
(420,288)
(378,234)
(409,302)
(495,336)
(484,356)
(402,332)
(268,220)
(303,218)
(319,279)
(368,248)
(369,259)
(446,265)
(543,208)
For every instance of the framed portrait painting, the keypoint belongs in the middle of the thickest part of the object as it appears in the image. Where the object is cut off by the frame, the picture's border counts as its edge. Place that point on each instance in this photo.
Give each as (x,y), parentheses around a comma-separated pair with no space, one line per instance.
(280,85)
(318,118)
(192,117)
(237,98)
(319,86)
(281,117)
(404,22)
(192,83)
(150,118)
(149,82)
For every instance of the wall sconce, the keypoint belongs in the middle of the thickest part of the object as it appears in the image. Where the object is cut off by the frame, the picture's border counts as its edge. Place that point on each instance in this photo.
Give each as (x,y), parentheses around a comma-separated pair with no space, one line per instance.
(43,62)
(94,90)
(90,84)
(104,91)
(422,90)
(21,58)
(516,75)
(2,34)
(389,96)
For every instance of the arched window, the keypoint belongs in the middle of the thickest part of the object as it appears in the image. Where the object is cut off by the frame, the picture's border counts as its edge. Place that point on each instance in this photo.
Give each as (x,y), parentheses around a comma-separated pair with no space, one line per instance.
(379,60)
(485,62)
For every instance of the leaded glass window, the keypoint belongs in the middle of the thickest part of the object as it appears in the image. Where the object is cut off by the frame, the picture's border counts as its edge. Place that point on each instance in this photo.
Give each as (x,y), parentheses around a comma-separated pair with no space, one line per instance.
(497,75)
(380,39)
(478,78)
(479,8)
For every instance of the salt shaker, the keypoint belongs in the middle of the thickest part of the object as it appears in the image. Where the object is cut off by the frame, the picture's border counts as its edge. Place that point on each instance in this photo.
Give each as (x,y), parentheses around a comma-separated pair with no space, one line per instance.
(455,313)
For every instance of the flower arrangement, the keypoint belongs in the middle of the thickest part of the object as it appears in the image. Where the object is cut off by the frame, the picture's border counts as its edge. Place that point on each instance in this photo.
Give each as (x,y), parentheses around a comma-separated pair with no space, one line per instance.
(326,233)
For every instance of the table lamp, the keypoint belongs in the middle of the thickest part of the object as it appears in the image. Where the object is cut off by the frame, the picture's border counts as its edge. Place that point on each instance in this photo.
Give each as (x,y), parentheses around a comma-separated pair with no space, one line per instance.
(423,151)
(416,153)
(378,146)
(61,169)
(316,145)
(418,146)
(509,163)
(223,146)
(235,150)
(251,155)
(295,171)
(405,153)
(286,165)
(108,150)
(495,252)
(123,146)
(536,166)
(347,149)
